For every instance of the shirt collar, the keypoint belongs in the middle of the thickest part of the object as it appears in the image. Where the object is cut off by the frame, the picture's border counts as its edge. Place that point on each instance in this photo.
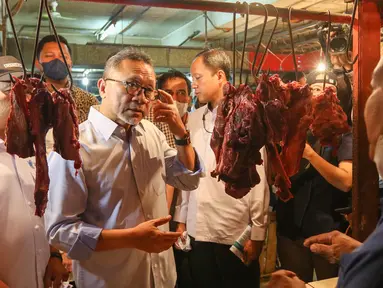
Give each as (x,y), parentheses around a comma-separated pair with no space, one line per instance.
(105,126)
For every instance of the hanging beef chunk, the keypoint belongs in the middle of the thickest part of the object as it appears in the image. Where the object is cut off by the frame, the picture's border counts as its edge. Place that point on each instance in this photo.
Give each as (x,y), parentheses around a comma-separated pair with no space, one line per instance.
(18,138)
(298,118)
(330,121)
(239,117)
(65,127)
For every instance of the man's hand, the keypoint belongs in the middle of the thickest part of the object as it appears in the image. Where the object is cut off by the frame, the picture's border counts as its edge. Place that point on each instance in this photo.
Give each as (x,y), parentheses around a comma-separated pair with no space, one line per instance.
(308,152)
(285,279)
(55,273)
(332,245)
(166,111)
(152,240)
(3,285)
(251,251)
(181,228)
(67,262)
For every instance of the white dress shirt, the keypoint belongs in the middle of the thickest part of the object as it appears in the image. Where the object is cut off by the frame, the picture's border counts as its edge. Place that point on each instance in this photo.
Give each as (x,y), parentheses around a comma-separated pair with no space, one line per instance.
(209,213)
(24,248)
(120,185)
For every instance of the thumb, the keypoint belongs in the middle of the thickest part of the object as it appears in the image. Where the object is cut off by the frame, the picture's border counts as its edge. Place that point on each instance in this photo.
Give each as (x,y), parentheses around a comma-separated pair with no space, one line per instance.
(321,249)
(161,221)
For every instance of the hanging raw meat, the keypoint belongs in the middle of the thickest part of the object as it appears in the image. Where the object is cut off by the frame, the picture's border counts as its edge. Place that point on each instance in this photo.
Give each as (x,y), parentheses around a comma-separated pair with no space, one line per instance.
(274,97)
(330,121)
(33,112)
(298,118)
(238,135)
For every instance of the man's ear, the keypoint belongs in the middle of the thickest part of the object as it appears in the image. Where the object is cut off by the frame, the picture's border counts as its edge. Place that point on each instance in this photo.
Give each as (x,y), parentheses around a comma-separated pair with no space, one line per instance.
(101,84)
(221,76)
(38,65)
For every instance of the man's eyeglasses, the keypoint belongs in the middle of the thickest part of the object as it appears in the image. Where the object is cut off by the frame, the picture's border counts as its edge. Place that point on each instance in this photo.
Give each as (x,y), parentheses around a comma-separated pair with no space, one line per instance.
(133,88)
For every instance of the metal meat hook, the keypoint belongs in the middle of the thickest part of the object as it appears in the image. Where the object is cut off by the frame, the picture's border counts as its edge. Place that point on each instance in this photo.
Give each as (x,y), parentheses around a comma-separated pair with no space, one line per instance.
(292,43)
(16,39)
(260,39)
(244,39)
(37,36)
(269,42)
(327,47)
(59,43)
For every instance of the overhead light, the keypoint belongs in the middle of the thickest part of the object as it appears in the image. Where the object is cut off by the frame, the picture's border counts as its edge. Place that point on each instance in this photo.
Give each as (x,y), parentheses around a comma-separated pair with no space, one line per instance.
(85,81)
(321,67)
(111,30)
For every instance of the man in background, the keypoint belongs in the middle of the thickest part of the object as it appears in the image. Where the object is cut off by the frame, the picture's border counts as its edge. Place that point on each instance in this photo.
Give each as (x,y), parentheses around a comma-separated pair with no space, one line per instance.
(213,219)
(50,62)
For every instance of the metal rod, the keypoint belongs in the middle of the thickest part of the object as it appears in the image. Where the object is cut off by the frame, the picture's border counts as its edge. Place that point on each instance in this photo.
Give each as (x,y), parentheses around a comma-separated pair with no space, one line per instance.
(351,62)
(268,43)
(37,36)
(260,39)
(59,43)
(327,48)
(135,21)
(16,40)
(244,42)
(292,44)
(234,45)
(206,44)
(226,7)
(4,30)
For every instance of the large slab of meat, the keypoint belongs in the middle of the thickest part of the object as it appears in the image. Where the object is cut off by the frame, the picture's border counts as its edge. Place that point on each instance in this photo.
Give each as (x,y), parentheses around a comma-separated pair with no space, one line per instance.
(33,112)
(330,121)
(238,136)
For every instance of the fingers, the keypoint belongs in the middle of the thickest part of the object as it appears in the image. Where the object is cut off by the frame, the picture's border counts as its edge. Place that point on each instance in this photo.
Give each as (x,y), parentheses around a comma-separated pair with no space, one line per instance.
(166,97)
(321,249)
(163,115)
(162,221)
(286,273)
(325,238)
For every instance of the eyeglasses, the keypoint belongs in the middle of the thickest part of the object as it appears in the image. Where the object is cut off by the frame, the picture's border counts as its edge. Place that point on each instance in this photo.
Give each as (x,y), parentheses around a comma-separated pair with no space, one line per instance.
(135,88)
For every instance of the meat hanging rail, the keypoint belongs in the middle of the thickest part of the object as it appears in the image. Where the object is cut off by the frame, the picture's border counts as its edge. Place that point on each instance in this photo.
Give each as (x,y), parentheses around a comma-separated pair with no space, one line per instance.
(226,7)
(367,44)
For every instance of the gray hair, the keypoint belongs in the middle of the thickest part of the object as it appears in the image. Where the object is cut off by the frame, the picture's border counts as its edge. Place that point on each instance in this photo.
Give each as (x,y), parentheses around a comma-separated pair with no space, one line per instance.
(216,59)
(130,53)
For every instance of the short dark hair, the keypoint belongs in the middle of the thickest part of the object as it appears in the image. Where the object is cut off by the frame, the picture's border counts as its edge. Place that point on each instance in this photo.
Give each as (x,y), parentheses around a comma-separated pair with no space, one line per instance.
(49,39)
(171,74)
(216,59)
(126,54)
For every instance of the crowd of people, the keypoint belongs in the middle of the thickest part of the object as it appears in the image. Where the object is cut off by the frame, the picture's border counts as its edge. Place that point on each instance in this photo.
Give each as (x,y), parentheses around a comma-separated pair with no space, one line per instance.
(143,211)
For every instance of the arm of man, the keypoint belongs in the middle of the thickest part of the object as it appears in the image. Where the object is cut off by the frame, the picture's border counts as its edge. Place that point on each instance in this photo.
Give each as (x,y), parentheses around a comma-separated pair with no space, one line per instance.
(259,201)
(341,176)
(67,231)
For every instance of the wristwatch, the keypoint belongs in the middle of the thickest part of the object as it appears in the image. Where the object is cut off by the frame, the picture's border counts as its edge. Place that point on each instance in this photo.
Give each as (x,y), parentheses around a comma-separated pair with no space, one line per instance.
(184,141)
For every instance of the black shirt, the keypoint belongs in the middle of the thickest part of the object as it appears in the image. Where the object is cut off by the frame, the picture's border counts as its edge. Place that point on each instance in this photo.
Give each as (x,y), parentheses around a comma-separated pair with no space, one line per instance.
(312,210)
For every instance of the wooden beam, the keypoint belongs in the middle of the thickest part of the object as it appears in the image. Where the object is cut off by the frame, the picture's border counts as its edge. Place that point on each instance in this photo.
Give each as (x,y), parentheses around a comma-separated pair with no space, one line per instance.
(365,178)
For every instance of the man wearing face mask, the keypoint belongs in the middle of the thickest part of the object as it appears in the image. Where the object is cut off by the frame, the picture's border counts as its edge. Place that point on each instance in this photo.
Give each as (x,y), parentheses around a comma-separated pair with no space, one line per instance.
(110,216)
(360,264)
(50,62)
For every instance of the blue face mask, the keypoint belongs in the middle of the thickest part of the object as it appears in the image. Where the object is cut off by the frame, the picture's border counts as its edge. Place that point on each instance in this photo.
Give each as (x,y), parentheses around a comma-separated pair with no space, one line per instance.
(55,69)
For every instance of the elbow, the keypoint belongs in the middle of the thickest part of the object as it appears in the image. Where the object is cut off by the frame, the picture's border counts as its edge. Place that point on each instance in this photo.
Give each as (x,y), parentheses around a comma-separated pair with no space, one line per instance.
(346,186)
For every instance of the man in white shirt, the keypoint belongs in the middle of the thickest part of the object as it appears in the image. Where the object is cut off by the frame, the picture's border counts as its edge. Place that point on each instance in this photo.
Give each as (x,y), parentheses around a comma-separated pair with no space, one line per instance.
(106,215)
(24,249)
(213,219)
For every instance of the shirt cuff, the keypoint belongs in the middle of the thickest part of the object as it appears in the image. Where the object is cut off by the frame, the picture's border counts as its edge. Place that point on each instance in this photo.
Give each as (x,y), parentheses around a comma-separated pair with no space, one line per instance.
(258,233)
(180,215)
(180,169)
(85,243)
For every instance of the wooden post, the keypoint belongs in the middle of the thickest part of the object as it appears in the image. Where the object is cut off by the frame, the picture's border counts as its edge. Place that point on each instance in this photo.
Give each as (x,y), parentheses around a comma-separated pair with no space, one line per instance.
(365,178)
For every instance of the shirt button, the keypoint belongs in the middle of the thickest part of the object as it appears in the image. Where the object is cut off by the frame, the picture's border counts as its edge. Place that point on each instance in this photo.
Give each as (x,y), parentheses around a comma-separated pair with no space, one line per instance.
(155,265)
(37,227)
(29,203)
(149,216)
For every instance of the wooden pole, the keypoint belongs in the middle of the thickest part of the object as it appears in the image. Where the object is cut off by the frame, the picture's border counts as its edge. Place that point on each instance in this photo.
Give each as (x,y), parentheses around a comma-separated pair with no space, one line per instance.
(365,178)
